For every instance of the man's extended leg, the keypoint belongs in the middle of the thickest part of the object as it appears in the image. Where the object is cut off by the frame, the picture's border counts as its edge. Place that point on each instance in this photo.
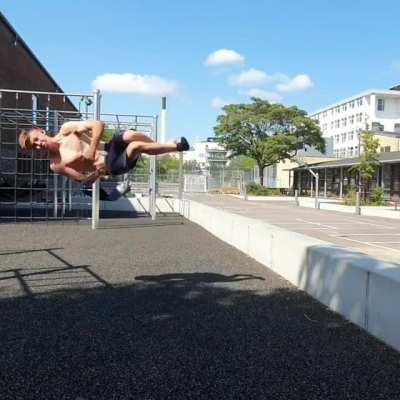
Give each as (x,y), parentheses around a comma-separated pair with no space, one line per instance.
(135,136)
(135,148)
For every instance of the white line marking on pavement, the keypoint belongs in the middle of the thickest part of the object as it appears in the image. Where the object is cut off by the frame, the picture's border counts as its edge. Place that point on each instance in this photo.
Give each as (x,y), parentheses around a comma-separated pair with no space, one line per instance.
(316,223)
(369,234)
(385,242)
(369,244)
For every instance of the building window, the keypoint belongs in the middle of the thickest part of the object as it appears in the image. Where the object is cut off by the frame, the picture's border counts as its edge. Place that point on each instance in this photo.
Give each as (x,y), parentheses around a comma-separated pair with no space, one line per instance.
(332,124)
(337,138)
(337,122)
(360,101)
(351,135)
(343,153)
(359,117)
(344,107)
(344,121)
(344,137)
(351,104)
(324,114)
(381,105)
(385,149)
(356,152)
(336,153)
(351,119)
(350,151)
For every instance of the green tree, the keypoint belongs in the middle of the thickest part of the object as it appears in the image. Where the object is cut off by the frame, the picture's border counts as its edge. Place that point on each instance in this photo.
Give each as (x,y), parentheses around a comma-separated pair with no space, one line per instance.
(191,165)
(167,163)
(369,160)
(242,163)
(266,132)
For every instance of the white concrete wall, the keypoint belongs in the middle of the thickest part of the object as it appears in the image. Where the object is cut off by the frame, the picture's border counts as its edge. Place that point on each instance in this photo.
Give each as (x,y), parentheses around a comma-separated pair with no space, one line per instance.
(362,289)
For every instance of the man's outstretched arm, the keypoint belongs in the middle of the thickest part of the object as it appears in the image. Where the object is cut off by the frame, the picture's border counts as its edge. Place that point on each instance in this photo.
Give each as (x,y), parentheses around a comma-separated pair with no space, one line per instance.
(75,175)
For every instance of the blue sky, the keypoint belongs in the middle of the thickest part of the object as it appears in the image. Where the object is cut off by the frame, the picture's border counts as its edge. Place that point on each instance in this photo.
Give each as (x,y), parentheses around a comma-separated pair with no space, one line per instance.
(309,53)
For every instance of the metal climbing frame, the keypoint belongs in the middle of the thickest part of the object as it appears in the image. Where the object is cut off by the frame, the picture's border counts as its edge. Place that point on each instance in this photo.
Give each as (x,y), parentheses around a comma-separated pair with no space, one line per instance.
(29,191)
(116,122)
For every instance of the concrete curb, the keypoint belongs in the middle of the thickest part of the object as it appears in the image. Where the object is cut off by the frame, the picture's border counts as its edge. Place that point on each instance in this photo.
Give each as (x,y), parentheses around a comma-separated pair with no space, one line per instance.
(364,290)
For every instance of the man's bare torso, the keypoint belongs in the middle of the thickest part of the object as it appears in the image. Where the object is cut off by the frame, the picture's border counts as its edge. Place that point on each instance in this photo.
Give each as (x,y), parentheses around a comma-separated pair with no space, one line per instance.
(71,153)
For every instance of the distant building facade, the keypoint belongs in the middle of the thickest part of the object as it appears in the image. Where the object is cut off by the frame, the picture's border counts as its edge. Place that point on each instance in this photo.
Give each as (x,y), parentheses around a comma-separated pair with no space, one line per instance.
(377,110)
(209,154)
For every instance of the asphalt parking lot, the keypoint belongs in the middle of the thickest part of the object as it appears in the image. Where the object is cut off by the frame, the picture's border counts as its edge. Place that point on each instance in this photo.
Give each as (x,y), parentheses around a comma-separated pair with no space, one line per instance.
(375,236)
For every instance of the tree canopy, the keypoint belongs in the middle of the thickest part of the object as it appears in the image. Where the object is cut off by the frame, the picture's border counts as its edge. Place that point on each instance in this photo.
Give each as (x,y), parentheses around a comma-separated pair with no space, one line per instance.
(266,132)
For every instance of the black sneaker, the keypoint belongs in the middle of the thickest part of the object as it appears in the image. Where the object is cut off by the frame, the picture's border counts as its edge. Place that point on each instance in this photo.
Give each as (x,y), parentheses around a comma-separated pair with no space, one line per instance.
(182,145)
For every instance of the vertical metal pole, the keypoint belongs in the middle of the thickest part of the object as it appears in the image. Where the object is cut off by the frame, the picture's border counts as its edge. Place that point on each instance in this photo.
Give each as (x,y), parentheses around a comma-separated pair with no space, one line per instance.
(163,124)
(63,194)
(96,185)
(299,182)
(358,208)
(55,176)
(325,185)
(316,189)
(296,197)
(69,195)
(311,185)
(180,179)
(341,183)
(152,183)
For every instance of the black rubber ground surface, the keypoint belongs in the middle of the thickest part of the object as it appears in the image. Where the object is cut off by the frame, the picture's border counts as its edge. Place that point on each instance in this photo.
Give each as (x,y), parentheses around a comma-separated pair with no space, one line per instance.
(168,312)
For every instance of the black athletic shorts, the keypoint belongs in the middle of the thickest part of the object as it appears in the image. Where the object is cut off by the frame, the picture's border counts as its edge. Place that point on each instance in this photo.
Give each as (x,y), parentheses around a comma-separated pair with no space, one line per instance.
(116,159)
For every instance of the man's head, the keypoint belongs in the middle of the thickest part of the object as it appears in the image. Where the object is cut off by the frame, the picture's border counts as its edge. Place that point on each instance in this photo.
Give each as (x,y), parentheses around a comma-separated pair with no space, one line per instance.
(34,139)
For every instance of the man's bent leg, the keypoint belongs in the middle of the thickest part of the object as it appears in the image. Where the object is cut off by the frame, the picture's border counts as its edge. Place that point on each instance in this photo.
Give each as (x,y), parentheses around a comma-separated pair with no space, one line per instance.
(135,136)
(135,148)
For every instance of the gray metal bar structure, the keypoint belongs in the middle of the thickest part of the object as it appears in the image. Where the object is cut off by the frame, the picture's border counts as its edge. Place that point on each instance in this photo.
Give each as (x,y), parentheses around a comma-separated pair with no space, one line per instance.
(29,191)
(96,185)
(153,183)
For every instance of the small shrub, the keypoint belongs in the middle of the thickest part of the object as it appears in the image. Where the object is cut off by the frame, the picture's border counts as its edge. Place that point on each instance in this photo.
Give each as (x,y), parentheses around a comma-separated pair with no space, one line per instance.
(256,189)
(377,197)
(350,197)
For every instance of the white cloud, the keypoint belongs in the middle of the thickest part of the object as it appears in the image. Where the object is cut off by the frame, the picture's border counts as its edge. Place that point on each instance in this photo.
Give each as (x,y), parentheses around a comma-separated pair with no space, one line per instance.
(298,83)
(147,85)
(264,95)
(223,57)
(255,77)
(249,78)
(218,103)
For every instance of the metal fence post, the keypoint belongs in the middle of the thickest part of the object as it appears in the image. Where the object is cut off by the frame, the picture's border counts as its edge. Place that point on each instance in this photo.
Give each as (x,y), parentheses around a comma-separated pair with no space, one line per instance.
(55,176)
(358,207)
(180,179)
(296,197)
(316,189)
(96,185)
(152,183)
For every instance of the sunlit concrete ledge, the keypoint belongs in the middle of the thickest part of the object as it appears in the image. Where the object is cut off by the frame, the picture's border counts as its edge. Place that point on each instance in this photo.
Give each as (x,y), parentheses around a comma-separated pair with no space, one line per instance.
(364,290)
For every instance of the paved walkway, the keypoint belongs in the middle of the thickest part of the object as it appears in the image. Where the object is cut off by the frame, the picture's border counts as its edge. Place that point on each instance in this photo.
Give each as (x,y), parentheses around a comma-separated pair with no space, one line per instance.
(375,236)
(334,204)
(169,312)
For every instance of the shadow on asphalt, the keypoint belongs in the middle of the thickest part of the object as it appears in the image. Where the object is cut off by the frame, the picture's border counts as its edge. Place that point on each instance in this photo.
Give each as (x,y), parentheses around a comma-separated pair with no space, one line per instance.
(187,336)
(198,277)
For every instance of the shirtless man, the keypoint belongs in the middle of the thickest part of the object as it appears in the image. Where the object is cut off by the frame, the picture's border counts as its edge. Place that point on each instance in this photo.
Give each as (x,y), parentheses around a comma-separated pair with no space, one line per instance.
(78,153)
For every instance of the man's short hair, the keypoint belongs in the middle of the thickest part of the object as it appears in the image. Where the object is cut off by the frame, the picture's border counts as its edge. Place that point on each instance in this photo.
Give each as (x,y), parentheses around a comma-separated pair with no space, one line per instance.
(24,139)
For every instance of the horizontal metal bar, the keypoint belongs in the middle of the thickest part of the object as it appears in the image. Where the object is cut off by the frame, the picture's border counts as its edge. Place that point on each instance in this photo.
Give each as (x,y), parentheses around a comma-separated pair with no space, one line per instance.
(128,115)
(50,93)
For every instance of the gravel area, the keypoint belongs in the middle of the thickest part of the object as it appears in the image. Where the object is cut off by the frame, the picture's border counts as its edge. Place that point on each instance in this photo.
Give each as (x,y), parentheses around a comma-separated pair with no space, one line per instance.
(166,311)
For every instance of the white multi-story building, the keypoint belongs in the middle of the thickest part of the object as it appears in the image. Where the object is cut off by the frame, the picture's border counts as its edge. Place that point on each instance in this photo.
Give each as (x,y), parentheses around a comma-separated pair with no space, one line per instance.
(378,110)
(209,154)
